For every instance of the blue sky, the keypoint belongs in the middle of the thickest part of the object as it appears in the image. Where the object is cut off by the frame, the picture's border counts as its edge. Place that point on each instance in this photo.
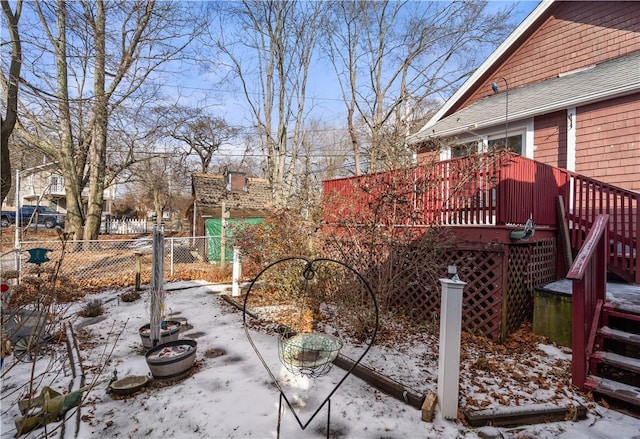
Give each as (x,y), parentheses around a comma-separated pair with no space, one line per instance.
(323,93)
(200,88)
(327,96)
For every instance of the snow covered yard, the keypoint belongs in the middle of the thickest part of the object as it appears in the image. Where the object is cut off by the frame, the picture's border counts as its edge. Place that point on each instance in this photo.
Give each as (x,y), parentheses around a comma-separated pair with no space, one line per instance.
(229,394)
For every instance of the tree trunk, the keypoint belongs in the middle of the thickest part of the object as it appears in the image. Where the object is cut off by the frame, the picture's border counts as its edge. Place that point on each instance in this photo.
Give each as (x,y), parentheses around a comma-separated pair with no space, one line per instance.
(98,150)
(158,206)
(8,122)
(73,187)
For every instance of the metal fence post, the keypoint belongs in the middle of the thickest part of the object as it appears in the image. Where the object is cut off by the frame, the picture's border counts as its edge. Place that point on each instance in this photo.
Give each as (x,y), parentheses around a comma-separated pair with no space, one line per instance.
(171,243)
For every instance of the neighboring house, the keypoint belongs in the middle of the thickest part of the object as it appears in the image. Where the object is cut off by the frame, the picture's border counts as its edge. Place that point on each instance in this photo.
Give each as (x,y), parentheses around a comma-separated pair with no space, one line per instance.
(243,199)
(568,81)
(44,185)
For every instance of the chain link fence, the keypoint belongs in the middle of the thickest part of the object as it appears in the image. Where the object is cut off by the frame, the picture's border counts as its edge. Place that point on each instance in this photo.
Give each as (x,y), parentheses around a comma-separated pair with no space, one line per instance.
(117,263)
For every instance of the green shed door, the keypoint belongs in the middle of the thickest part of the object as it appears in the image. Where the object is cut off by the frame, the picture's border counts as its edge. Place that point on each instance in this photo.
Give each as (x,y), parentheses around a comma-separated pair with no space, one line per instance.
(213,229)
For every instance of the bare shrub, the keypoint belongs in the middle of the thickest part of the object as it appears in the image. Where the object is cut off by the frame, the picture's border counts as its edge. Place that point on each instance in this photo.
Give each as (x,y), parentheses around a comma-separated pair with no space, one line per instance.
(35,312)
(284,233)
(392,226)
(130,296)
(314,295)
(93,308)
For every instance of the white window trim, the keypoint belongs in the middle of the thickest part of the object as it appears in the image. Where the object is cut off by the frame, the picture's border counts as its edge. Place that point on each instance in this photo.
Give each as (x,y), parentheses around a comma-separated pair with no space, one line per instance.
(527,146)
(571,149)
(524,128)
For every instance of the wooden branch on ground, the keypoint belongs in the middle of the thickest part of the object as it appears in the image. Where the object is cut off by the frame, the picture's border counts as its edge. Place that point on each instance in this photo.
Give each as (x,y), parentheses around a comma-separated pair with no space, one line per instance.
(524,415)
(381,382)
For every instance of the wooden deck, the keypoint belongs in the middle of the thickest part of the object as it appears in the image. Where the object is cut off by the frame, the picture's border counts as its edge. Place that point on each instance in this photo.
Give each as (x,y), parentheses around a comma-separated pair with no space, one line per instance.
(493,191)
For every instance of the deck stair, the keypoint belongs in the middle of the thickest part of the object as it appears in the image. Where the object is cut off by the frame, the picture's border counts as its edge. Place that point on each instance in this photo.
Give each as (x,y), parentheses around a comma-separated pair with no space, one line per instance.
(614,364)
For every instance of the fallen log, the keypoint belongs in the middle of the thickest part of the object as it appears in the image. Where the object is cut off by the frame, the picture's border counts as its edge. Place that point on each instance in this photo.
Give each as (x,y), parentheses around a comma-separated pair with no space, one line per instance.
(381,382)
(524,415)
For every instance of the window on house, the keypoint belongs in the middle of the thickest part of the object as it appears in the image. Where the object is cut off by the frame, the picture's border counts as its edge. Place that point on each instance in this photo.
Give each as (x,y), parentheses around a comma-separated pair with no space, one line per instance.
(520,139)
(57,184)
(464,149)
(514,143)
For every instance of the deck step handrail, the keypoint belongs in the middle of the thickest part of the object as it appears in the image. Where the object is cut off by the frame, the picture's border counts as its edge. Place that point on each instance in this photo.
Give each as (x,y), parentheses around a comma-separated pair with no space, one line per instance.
(589,276)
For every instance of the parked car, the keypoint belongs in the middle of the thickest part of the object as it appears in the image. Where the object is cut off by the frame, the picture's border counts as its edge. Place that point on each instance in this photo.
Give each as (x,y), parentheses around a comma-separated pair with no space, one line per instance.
(40,214)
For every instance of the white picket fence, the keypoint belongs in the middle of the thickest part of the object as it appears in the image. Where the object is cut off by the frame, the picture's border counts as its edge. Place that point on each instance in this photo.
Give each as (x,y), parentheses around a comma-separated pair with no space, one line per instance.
(125,226)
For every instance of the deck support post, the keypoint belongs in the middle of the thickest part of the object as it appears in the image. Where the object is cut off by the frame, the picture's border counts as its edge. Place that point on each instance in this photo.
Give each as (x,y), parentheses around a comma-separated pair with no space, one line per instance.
(449,354)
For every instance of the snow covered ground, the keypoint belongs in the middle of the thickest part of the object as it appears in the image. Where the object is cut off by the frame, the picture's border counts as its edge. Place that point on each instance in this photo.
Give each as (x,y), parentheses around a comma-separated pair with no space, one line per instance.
(230,394)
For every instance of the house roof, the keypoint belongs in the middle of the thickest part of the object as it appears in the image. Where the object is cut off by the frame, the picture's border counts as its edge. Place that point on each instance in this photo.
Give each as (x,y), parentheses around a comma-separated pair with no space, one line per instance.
(210,191)
(617,77)
(520,32)
(216,212)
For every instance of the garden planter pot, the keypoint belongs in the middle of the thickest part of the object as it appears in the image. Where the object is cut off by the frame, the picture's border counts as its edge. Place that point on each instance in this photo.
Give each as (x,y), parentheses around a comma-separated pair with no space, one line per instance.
(129,385)
(169,332)
(173,359)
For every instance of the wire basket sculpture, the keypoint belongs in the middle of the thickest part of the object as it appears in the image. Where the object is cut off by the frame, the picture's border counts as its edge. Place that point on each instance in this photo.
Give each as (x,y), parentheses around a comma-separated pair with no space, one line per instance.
(315,306)
(308,353)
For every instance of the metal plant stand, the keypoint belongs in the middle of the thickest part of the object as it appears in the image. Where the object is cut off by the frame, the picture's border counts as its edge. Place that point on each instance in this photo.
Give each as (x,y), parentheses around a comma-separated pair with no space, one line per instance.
(307,346)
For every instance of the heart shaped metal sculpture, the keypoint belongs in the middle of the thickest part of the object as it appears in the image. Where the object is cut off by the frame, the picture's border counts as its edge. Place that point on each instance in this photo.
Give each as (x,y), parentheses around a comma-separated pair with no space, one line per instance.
(319,301)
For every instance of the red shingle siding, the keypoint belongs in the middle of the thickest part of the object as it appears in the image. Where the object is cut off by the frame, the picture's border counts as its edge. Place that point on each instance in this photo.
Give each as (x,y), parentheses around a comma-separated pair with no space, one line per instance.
(550,139)
(577,35)
(426,157)
(608,141)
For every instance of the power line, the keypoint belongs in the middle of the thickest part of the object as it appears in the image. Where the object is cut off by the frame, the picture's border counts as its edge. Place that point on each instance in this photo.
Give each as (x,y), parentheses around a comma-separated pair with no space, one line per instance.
(225,154)
(235,92)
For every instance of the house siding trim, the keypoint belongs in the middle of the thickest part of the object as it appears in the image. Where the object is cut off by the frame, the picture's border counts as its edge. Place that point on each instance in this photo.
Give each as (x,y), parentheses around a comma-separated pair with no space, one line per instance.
(571,139)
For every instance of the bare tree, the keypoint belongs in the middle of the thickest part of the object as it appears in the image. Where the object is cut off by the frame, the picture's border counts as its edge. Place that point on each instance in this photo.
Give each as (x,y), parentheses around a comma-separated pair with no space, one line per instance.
(151,175)
(391,57)
(342,49)
(10,87)
(322,156)
(133,134)
(118,47)
(244,158)
(202,133)
(158,179)
(270,53)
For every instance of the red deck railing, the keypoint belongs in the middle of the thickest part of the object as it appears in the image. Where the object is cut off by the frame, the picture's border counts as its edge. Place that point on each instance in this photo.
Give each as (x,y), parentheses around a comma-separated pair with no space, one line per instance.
(589,275)
(586,199)
(493,190)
